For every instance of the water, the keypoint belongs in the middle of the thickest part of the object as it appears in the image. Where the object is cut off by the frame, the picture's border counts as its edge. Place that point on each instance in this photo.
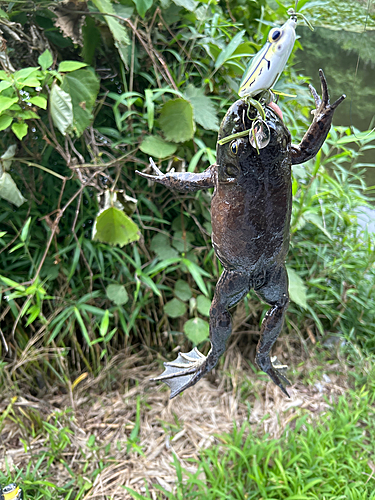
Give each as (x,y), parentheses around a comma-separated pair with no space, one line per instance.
(336,52)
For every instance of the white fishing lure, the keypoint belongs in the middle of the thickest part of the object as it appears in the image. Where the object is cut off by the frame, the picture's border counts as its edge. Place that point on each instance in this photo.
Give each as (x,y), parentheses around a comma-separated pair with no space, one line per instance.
(269,62)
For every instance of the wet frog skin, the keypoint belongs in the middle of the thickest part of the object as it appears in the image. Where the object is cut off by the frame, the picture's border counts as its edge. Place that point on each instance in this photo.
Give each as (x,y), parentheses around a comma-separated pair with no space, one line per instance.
(250,212)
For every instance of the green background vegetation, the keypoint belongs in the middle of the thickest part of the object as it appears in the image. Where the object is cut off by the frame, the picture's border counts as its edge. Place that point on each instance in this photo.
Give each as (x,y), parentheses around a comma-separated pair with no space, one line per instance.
(95,260)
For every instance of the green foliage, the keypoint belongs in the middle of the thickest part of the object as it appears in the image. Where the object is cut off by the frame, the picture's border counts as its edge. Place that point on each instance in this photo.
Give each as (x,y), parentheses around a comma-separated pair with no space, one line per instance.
(329,456)
(155,87)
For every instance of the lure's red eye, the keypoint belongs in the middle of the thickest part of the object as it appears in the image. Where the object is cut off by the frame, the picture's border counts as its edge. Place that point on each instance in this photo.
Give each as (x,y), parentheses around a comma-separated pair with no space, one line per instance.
(274,35)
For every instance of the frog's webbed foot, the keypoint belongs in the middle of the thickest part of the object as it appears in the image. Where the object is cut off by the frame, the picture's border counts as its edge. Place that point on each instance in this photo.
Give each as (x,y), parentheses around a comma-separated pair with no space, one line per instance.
(275,370)
(184,372)
(323,104)
(281,371)
(317,132)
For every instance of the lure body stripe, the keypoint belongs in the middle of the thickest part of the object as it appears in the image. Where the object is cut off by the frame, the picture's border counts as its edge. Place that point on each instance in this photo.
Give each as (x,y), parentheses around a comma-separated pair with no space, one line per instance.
(266,67)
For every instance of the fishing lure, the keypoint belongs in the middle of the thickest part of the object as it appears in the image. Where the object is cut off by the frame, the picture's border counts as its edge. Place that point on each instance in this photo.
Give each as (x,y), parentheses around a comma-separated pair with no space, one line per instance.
(262,73)
(266,67)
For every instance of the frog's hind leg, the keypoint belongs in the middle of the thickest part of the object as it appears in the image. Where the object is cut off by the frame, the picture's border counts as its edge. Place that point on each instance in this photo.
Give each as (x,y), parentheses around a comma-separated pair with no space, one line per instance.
(190,367)
(275,293)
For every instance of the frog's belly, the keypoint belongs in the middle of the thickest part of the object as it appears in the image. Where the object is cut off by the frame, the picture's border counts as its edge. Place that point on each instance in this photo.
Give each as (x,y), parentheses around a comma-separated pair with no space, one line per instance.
(250,233)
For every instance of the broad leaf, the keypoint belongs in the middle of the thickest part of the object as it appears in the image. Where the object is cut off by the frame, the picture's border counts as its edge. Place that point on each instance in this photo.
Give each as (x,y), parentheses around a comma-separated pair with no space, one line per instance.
(175,308)
(20,129)
(114,227)
(182,290)
(203,305)
(118,31)
(197,330)
(40,101)
(83,87)
(156,146)
(297,288)
(118,294)
(61,109)
(68,66)
(45,60)
(176,120)
(160,245)
(7,102)
(204,109)
(9,190)
(142,6)
(187,4)
(5,121)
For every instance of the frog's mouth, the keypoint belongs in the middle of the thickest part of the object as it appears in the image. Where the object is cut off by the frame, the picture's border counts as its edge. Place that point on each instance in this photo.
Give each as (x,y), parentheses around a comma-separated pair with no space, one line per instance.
(276,109)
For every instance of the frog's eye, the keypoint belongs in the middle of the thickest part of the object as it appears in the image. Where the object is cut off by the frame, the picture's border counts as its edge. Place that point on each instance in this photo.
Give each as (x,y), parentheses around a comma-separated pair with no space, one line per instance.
(234,147)
(274,35)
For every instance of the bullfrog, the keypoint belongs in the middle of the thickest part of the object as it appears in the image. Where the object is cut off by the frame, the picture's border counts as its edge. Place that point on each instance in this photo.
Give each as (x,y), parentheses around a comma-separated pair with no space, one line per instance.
(250,211)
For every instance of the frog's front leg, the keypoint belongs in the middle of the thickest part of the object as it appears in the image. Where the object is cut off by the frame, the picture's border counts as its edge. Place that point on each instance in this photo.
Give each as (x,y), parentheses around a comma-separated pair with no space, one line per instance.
(317,132)
(190,367)
(275,293)
(182,181)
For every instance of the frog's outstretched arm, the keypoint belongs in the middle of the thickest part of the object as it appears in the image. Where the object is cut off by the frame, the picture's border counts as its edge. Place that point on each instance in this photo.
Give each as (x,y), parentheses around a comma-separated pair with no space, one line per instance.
(317,132)
(182,181)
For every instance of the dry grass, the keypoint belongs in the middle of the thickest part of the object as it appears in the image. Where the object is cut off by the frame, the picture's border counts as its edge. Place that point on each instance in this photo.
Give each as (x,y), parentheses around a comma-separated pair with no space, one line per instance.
(182,426)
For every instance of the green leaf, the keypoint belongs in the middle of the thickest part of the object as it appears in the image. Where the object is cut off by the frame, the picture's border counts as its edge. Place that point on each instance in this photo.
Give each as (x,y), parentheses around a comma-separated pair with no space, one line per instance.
(297,288)
(67,66)
(9,190)
(187,4)
(142,6)
(160,245)
(204,109)
(156,146)
(83,87)
(176,120)
(118,294)
(203,305)
(197,330)
(20,129)
(229,49)
(104,324)
(182,290)
(182,241)
(25,230)
(317,221)
(5,121)
(7,102)
(197,273)
(4,85)
(45,60)
(61,109)
(39,100)
(114,227)
(175,308)
(118,31)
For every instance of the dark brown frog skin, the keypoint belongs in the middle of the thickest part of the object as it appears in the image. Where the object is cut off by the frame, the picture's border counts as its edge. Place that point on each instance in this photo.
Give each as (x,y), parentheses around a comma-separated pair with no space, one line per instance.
(250,212)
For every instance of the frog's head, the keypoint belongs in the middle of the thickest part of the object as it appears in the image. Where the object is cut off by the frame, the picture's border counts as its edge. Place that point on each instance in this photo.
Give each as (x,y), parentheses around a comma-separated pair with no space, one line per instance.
(237,156)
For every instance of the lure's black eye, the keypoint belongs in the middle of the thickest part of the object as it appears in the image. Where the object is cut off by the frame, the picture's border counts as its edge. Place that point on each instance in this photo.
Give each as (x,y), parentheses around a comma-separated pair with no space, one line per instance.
(274,35)
(234,147)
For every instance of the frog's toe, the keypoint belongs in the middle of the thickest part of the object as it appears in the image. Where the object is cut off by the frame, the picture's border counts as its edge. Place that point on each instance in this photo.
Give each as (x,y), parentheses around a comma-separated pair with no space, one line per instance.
(184,372)
(281,371)
(275,370)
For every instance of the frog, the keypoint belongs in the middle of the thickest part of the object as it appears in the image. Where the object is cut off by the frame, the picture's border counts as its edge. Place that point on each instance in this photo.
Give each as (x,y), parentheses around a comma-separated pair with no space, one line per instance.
(250,215)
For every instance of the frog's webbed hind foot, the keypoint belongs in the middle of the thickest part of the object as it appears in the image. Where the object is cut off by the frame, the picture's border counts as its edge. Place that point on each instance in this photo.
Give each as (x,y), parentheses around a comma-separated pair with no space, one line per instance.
(184,372)
(281,371)
(275,370)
